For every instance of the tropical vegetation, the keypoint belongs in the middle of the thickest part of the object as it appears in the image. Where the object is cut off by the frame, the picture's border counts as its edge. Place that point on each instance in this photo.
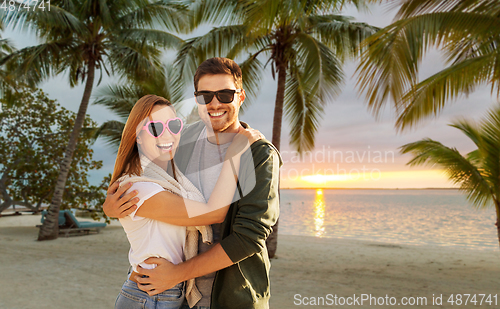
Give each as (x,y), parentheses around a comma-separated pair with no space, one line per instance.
(33,134)
(8,84)
(477,172)
(467,31)
(81,37)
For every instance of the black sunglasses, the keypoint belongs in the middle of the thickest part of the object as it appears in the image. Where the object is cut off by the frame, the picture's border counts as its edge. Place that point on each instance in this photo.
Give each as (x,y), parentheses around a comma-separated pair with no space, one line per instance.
(224,96)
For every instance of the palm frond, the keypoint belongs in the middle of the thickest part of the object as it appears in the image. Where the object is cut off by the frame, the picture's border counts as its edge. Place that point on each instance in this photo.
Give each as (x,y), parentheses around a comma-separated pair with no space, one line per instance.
(40,22)
(251,71)
(131,57)
(36,63)
(470,130)
(431,95)
(491,148)
(173,88)
(105,13)
(151,37)
(111,131)
(218,12)
(340,33)
(303,111)
(217,43)
(261,16)
(172,14)
(309,58)
(168,84)
(324,71)
(418,7)
(251,43)
(474,157)
(458,168)
(8,83)
(390,63)
(118,98)
(6,47)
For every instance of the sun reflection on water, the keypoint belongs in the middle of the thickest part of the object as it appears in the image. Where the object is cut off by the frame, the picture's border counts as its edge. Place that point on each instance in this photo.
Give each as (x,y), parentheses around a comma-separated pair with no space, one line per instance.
(319,213)
(419,217)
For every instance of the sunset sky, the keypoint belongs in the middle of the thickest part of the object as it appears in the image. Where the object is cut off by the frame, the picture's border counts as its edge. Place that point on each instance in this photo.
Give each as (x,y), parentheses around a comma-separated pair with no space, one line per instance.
(353,149)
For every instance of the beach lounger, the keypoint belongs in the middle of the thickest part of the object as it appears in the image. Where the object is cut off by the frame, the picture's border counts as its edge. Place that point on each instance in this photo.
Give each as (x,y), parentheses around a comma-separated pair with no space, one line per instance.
(69,225)
(62,218)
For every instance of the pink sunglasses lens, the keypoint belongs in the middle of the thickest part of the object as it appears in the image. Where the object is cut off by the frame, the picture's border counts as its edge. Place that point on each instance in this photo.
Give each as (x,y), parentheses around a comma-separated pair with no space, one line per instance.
(155,128)
(175,126)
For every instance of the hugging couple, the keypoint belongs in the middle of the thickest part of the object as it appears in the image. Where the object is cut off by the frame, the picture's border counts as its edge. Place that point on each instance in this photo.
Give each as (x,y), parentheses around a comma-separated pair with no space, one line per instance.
(197,227)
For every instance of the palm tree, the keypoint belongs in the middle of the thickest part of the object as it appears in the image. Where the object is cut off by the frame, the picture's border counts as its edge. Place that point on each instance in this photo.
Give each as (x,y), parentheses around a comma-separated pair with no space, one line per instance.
(467,31)
(80,37)
(8,85)
(305,42)
(120,99)
(478,172)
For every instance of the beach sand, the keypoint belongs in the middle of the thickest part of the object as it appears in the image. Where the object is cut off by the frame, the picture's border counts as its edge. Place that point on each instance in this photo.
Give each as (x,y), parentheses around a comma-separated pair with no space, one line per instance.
(88,271)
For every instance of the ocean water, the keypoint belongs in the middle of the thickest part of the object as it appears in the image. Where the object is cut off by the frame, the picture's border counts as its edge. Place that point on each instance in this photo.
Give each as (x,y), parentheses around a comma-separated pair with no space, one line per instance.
(414,217)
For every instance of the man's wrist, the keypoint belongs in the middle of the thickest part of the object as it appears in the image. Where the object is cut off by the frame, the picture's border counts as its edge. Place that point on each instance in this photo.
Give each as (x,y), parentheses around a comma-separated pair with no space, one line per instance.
(184,270)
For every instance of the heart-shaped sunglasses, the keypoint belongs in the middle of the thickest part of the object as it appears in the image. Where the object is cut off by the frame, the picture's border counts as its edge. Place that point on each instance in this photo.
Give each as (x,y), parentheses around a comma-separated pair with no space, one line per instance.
(157,127)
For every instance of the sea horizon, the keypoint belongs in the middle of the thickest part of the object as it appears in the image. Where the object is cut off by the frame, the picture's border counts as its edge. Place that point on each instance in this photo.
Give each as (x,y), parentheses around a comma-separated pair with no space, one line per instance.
(340,188)
(433,217)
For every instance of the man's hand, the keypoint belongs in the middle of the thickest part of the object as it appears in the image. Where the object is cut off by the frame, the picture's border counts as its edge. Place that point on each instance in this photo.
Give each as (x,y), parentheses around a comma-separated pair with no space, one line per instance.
(165,276)
(118,204)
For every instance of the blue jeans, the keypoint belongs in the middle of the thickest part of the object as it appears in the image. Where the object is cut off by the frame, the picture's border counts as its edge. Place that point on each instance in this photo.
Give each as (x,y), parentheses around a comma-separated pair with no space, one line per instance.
(131,297)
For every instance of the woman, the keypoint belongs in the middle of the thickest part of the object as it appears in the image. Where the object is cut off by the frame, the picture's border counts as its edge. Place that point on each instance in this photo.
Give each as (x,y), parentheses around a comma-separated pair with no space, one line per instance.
(145,158)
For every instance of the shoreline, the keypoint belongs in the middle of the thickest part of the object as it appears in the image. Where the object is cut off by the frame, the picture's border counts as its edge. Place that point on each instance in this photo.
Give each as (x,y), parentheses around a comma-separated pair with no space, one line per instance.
(88,271)
(395,189)
(383,243)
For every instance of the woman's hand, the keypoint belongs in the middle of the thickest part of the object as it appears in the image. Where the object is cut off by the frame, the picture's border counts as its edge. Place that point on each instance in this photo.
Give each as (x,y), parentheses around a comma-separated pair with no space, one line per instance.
(242,141)
(252,135)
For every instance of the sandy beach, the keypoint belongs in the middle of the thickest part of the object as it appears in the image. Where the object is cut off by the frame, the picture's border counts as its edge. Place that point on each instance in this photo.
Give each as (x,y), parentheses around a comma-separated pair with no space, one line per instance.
(88,271)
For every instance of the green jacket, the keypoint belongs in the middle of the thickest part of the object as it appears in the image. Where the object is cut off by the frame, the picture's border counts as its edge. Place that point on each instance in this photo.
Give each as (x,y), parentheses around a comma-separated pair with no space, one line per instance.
(248,223)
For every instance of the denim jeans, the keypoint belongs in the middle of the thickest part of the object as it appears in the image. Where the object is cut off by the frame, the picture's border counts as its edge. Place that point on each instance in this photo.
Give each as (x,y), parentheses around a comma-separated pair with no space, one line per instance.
(131,297)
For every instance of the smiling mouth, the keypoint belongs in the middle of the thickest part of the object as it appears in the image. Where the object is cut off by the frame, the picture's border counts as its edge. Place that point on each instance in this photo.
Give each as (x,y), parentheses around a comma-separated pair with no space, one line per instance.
(166,147)
(215,115)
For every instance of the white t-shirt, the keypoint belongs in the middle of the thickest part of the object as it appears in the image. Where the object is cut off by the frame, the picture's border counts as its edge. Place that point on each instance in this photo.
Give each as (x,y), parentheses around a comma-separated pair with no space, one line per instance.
(152,238)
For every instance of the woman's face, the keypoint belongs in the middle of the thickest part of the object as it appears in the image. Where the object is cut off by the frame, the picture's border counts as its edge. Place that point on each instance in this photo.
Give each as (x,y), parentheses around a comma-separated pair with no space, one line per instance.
(159,149)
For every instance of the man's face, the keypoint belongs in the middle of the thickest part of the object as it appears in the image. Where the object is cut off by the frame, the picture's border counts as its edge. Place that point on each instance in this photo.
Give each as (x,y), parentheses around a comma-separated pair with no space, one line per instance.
(220,116)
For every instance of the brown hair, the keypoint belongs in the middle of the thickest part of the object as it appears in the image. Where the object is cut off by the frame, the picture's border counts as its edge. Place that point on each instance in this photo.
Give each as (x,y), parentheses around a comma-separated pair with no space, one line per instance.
(219,65)
(128,161)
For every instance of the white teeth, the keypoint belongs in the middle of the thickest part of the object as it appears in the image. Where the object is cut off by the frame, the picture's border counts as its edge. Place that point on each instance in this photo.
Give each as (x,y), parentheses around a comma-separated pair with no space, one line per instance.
(216,114)
(164,144)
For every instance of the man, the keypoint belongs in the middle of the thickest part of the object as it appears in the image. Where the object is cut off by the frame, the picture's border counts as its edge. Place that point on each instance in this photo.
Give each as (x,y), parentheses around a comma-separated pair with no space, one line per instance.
(234,271)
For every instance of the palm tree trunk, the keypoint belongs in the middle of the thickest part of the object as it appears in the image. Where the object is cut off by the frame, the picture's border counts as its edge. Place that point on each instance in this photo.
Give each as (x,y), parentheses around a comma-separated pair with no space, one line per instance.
(7,200)
(497,208)
(50,227)
(278,107)
(272,240)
